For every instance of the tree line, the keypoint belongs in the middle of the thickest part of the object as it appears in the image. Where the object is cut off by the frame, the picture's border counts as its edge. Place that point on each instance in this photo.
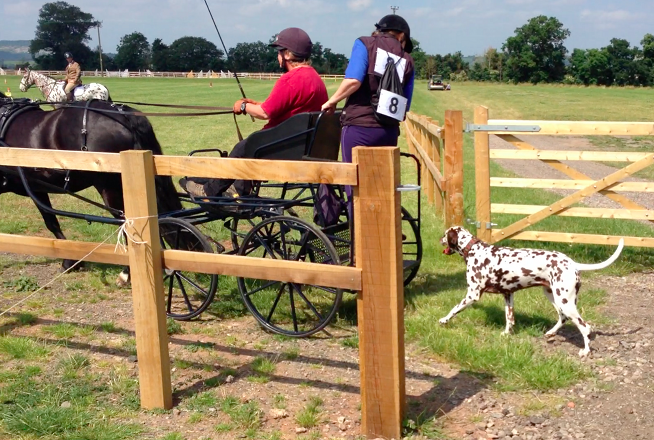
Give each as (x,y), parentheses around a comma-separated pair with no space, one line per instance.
(536,53)
(62,27)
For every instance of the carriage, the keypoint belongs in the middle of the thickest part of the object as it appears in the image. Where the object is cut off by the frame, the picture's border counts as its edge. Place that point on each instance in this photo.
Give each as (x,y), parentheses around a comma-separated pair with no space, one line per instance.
(297,222)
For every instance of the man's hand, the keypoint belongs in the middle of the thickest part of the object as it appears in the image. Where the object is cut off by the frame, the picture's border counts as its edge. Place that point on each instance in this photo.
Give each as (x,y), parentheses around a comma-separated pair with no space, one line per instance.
(238,103)
(237,106)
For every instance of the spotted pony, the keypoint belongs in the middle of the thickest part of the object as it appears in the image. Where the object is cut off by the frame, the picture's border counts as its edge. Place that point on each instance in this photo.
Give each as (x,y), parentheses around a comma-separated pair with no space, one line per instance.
(506,270)
(53,90)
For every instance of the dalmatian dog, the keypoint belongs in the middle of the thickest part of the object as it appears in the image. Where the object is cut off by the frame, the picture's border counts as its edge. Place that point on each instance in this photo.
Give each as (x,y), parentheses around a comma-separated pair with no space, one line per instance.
(506,270)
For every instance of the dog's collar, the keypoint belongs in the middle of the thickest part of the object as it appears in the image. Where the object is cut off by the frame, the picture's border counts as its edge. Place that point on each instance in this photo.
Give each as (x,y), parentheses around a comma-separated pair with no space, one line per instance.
(466,249)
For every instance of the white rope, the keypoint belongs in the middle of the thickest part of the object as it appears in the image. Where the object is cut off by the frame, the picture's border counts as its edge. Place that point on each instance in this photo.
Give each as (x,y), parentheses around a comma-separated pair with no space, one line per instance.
(119,245)
(121,242)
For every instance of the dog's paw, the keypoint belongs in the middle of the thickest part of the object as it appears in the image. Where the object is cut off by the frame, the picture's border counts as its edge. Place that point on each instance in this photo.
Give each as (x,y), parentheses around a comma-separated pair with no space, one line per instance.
(443,320)
(584,352)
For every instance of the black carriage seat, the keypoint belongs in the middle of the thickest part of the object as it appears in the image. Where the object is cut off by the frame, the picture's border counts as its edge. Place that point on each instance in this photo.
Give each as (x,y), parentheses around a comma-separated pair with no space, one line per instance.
(306,136)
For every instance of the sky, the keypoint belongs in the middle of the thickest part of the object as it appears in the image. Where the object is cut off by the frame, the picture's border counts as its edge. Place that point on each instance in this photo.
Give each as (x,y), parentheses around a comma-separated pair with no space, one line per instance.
(441,26)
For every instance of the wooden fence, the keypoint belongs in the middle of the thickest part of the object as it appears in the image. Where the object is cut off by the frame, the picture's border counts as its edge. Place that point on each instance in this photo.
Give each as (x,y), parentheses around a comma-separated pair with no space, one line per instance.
(440,152)
(375,177)
(610,186)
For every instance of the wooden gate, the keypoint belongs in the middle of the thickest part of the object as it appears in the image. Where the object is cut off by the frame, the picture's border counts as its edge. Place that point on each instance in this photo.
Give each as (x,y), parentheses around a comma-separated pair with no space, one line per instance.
(609,186)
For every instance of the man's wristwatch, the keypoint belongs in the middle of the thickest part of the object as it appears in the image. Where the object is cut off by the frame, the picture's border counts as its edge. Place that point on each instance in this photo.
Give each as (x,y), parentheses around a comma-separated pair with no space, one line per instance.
(243,104)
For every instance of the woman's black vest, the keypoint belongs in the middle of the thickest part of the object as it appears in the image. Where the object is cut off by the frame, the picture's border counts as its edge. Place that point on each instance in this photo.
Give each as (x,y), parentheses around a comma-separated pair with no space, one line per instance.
(358,108)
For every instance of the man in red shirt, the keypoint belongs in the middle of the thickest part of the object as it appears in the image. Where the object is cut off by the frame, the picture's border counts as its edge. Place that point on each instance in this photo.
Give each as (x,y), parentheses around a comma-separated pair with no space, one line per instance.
(299,90)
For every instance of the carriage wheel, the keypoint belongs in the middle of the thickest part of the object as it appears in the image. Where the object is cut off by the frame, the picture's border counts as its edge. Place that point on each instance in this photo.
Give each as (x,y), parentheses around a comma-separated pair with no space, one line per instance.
(187,293)
(289,309)
(411,246)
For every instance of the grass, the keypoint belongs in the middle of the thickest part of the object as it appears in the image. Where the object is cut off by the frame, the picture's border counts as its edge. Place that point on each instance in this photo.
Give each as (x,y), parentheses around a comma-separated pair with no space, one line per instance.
(472,340)
(22,348)
(309,416)
(245,416)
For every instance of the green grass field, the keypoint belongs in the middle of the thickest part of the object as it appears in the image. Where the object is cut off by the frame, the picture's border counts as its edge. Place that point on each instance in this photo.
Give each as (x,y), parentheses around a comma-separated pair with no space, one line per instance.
(472,340)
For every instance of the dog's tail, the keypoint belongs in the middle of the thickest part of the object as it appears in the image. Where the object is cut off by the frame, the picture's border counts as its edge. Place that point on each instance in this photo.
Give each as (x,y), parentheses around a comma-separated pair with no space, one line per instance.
(604,264)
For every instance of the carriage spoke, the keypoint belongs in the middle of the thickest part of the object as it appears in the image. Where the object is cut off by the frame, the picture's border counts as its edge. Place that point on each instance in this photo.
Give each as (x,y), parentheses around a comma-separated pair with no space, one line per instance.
(170,293)
(184,294)
(192,283)
(290,292)
(274,306)
(265,286)
(313,309)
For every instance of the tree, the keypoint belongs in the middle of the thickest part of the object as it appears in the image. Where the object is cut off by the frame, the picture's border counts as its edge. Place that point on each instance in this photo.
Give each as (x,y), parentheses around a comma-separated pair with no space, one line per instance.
(335,63)
(253,57)
(194,53)
(536,53)
(133,52)
(159,56)
(61,28)
(648,58)
(621,59)
(591,67)
(419,59)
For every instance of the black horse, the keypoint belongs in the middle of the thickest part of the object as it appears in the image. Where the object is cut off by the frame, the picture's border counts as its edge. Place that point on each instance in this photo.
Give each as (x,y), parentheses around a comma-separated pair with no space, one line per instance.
(98,126)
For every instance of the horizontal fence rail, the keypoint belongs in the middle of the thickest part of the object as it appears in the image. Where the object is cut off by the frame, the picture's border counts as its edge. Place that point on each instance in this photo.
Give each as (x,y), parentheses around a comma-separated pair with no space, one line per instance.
(579,128)
(210,167)
(612,186)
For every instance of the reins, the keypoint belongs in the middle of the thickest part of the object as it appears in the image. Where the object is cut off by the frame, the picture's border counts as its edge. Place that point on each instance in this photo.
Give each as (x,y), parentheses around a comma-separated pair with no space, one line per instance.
(222,110)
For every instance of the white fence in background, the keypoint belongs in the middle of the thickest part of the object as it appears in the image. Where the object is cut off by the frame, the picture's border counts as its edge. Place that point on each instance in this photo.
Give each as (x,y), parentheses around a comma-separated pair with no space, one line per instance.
(149,74)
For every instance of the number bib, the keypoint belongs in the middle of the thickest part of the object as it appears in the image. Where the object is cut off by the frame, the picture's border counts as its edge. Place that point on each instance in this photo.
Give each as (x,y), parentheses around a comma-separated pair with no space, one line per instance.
(392,105)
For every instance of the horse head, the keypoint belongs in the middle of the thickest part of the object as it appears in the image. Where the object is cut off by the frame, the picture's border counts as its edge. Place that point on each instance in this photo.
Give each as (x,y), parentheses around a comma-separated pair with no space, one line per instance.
(27,81)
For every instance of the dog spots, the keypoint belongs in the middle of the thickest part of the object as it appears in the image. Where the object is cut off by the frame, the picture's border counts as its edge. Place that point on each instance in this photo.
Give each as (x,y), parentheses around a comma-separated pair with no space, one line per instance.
(581,322)
(526,272)
(564,301)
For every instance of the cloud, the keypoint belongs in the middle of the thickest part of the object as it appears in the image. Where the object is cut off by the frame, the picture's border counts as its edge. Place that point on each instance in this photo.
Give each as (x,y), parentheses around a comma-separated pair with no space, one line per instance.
(359,5)
(608,19)
(20,9)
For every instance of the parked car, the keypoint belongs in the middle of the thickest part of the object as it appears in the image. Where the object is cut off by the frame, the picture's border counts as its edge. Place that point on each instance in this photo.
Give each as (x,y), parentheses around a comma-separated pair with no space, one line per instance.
(436,83)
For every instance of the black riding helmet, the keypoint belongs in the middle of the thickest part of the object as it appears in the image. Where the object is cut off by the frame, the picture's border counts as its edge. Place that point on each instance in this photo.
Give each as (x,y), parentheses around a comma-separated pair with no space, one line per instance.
(295,40)
(396,23)
(68,55)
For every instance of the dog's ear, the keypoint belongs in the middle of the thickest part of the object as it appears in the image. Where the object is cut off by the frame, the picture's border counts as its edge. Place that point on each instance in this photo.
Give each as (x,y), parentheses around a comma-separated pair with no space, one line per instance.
(453,239)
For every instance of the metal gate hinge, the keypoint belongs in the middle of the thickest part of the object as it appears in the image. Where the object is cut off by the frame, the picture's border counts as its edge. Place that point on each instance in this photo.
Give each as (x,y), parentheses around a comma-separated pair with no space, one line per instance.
(517,128)
(489,225)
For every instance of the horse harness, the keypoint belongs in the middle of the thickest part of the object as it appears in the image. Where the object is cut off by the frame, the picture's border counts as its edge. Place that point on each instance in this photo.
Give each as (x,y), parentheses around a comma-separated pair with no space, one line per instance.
(16,108)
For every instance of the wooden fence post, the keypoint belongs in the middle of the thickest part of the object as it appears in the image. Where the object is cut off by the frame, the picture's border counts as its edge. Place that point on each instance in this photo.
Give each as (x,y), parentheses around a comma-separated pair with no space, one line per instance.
(380,303)
(453,168)
(137,169)
(482,175)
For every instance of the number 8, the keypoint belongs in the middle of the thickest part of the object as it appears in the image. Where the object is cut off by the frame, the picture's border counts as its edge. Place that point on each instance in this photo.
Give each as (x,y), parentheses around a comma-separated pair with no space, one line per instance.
(393,107)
